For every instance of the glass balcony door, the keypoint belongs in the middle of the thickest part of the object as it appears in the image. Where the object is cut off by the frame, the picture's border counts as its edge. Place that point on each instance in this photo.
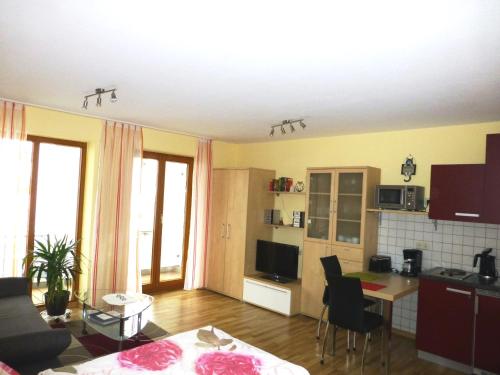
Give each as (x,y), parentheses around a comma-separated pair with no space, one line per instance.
(58,171)
(165,219)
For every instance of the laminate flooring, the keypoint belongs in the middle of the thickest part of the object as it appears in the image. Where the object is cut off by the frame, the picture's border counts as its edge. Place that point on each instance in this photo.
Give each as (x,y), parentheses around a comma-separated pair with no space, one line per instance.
(292,338)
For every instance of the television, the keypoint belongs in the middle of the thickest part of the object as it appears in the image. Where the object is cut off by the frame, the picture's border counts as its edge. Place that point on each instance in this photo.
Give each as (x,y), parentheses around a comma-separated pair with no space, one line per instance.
(278,261)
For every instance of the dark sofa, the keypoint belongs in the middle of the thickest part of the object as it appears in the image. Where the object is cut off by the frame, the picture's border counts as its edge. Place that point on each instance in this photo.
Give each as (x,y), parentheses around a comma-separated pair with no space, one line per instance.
(24,335)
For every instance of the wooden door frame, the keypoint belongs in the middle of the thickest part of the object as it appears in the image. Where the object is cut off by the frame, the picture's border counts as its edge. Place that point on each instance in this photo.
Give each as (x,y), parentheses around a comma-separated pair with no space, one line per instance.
(155,284)
(37,140)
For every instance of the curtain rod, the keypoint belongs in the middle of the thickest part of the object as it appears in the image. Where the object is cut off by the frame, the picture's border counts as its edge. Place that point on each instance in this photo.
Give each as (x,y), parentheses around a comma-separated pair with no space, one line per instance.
(104,118)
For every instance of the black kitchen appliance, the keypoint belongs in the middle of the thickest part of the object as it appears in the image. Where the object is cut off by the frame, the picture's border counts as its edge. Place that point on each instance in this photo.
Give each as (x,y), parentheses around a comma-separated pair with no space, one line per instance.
(412,262)
(380,263)
(487,268)
(400,197)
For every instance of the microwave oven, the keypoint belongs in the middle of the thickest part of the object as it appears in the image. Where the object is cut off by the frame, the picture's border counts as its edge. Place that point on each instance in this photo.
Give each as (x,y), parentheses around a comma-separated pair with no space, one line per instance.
(400,197)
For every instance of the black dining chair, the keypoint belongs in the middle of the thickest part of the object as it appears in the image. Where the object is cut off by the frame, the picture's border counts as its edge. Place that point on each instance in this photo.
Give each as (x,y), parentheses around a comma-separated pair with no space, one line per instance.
(332,267)
(349,312)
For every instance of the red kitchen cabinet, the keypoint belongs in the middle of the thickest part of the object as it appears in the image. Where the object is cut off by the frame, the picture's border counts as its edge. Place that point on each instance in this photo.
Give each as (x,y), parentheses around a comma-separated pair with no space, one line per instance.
(491,206)
(486,347)
(445,320)
(457,192)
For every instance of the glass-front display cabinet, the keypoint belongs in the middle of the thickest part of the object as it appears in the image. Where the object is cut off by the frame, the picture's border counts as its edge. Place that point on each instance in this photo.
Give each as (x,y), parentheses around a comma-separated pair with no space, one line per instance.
(349,207)
(319,209)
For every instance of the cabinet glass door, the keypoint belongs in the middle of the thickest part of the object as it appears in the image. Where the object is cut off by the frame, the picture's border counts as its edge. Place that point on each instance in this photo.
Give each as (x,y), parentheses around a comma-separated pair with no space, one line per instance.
(318,214)
(349,207)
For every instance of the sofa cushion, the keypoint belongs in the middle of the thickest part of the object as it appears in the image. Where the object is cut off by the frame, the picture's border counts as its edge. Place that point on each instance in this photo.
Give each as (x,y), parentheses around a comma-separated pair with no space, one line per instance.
(18,315)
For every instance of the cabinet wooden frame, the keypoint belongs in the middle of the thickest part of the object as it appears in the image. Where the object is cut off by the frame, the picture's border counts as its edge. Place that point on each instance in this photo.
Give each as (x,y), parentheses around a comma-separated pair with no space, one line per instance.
(239,197)
(352,257)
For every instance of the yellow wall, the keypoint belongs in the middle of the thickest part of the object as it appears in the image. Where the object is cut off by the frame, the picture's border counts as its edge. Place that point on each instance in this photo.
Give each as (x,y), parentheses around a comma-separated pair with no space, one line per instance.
(55,124)
(387,151)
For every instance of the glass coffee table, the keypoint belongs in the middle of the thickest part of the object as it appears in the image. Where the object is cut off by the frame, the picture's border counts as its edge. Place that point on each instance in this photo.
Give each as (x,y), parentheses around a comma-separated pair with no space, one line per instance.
(119,316)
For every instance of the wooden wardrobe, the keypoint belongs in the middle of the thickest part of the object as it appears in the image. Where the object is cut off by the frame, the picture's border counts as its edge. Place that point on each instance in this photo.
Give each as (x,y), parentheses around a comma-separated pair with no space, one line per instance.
(239,198)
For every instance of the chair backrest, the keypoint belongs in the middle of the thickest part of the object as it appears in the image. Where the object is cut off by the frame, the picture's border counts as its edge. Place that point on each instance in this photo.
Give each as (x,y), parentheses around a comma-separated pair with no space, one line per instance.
(331,266)
(346,306)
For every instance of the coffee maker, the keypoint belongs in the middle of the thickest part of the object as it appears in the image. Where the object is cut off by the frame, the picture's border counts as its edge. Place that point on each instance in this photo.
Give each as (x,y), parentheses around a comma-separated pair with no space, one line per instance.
(487,269)
(412,262)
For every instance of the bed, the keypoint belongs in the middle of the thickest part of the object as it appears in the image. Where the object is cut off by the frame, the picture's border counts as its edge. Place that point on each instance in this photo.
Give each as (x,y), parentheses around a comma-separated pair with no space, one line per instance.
(204,351)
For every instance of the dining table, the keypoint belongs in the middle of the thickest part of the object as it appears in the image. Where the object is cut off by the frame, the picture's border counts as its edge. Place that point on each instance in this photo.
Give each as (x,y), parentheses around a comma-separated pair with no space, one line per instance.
(388,288)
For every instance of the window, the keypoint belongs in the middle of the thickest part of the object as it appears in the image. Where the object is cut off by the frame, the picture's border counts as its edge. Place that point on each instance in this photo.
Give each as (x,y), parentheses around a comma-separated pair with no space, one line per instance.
(57,180)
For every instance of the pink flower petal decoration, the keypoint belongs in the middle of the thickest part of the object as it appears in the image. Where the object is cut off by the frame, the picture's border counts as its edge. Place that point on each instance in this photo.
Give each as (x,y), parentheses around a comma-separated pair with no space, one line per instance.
(156,356)
(216,363)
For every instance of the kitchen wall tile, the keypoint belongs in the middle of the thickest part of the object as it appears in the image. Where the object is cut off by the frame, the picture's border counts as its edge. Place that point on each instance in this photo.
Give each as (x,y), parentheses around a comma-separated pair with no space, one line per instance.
(479,241)
(491,233)
(479,231)
(447,229)
(458,240)
(469,231)
(453,244)
(448,238)
(490,242)
(458,230)
(468,240)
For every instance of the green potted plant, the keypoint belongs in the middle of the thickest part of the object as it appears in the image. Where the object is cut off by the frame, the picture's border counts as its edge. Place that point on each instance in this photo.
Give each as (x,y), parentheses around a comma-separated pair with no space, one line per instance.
(57,262)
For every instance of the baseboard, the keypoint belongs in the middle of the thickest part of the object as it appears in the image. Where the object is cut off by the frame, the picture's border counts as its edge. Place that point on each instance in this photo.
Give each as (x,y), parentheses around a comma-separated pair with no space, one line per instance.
(406,334)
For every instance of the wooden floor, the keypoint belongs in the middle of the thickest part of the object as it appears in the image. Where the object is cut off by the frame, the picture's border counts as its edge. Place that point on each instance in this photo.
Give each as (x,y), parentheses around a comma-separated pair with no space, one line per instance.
(292,339)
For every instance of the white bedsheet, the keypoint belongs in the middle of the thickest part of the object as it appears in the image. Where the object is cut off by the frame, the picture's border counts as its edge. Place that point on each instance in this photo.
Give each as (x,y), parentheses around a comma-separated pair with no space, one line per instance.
(186,353)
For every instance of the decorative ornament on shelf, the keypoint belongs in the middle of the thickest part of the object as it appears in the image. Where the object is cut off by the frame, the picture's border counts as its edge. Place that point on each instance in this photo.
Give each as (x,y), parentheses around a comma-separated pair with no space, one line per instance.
(299,187)
(98,92)
(288,123)
(409,168)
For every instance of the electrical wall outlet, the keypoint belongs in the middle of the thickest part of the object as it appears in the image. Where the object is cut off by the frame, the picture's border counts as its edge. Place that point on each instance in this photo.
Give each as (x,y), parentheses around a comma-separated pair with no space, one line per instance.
(421,245)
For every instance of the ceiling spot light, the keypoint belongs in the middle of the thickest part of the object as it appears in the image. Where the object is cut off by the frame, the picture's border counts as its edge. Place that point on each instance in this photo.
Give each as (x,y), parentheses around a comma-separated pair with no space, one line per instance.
(113,98)
(99,92)
(286,123)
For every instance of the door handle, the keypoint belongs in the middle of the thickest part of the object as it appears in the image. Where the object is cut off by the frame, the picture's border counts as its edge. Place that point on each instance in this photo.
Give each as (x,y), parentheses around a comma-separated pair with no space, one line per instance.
(459,291)
(466,214)
(223,233)
(228,233)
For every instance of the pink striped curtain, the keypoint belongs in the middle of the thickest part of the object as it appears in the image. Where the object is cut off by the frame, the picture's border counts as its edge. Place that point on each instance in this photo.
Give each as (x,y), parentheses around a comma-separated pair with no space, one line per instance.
(115,263)
(15,174)
(198,236)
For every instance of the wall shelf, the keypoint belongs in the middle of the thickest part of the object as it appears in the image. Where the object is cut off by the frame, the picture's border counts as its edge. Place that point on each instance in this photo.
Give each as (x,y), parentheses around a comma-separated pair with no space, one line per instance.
(400,212)
(282,226)
(287,192)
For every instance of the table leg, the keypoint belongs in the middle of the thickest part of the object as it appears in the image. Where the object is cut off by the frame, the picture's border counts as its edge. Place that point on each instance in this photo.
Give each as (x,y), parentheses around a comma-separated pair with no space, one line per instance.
(387,314)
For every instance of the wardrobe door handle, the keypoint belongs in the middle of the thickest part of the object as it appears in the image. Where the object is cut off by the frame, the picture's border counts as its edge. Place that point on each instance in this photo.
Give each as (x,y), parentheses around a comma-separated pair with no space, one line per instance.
(223,233)
(228,234)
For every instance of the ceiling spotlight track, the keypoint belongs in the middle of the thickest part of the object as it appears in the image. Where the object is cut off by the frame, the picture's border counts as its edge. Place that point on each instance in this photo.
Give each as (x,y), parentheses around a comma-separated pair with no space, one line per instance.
(99,92)
(286,123)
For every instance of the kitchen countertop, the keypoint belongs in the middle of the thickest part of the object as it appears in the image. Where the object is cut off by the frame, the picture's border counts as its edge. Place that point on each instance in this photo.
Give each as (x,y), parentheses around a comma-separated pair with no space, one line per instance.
(473,281)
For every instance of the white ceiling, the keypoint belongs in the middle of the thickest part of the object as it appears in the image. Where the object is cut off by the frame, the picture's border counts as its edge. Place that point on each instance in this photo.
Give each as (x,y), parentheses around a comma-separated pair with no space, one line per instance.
(229,69)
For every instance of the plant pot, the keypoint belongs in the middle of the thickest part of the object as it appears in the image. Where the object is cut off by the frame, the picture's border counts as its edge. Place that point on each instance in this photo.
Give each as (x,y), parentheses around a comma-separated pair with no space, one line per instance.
(58,305)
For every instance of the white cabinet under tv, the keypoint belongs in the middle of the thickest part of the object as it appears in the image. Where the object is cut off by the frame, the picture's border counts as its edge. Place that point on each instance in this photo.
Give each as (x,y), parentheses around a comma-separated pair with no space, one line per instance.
(283,298)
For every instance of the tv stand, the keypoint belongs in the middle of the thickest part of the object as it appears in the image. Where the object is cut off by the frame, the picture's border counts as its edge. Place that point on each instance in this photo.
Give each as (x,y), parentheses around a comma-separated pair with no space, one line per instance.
(277,278)
(283,298)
